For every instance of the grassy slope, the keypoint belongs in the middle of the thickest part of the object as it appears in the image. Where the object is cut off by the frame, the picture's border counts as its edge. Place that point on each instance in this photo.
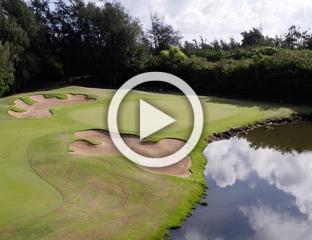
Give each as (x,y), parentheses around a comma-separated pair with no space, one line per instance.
(74,197)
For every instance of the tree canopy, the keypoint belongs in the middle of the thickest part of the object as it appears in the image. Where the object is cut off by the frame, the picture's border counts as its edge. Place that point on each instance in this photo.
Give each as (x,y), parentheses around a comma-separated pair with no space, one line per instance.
(43,42)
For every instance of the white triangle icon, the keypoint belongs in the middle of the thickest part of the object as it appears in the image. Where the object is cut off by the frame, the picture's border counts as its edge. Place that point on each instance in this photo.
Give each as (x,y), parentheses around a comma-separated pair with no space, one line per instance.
(152,119)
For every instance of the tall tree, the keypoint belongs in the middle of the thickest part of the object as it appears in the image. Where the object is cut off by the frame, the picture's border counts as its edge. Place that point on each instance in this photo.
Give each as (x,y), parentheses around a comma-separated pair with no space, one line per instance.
(296,38)
(103,42)
(162,35)
(293,39)
(19,28)
(43,45)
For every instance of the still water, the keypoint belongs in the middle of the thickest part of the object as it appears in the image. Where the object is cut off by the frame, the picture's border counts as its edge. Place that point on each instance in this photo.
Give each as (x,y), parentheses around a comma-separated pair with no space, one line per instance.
(259,187)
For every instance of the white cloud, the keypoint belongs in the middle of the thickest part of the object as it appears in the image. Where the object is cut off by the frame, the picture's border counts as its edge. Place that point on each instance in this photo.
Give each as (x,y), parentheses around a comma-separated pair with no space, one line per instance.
(215,19)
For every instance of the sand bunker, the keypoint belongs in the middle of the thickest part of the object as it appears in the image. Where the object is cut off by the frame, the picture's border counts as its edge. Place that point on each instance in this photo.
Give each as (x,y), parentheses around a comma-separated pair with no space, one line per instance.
(43,105)
(103,145)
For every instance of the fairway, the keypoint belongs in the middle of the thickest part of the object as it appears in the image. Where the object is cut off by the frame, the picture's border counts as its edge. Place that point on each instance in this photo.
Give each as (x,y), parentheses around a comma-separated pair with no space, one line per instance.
(48,193)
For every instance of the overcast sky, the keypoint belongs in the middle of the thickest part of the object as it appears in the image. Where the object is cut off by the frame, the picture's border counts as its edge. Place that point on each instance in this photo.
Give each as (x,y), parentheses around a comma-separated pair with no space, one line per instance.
(222,19)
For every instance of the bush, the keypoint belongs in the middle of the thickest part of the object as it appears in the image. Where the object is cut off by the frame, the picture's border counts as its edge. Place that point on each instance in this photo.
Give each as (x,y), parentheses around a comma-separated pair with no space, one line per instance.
(173,55)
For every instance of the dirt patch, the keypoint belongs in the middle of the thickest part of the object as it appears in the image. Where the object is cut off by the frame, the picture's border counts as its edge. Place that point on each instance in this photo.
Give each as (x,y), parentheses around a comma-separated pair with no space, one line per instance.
(43,105)
(99,143)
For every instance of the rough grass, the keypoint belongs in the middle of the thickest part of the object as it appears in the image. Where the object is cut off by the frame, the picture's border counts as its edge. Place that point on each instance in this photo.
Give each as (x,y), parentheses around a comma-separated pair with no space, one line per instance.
(48,193)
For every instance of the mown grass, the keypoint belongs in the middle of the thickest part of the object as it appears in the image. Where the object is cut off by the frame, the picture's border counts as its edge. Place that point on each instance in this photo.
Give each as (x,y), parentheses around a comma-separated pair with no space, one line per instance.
(17,109)
(63,96)
(28,100)
(49,193)
(60,96)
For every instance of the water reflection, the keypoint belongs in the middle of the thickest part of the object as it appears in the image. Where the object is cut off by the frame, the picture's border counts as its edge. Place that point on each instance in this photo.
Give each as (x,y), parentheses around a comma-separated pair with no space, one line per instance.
(294,136)
(254,193)
(234,160)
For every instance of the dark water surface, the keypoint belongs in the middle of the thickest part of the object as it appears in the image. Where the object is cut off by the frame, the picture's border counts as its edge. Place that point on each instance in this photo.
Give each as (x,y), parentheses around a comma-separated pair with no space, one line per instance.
(259,187)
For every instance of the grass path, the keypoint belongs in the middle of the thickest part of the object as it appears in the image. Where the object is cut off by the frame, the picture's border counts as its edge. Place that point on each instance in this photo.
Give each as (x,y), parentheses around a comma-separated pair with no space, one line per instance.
(74,197)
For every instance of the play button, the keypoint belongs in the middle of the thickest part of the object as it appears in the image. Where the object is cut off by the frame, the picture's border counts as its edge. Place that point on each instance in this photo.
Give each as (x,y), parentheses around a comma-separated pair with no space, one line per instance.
(152,119)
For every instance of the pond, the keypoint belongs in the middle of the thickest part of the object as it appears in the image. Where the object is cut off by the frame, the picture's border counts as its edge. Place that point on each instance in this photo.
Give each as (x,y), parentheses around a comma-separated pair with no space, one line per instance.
(259,187)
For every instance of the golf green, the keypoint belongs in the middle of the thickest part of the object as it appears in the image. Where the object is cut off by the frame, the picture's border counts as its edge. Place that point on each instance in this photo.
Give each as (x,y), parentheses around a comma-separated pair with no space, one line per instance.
(48,193)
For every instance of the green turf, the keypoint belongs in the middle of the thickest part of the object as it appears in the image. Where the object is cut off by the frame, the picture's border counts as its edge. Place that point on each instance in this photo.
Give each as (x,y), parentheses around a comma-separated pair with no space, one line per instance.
(17,109)
(28,100)
(58,95)
(48,193)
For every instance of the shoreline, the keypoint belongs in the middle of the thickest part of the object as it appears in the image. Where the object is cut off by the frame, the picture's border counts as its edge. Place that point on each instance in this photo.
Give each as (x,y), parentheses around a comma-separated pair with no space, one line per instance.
(264,123)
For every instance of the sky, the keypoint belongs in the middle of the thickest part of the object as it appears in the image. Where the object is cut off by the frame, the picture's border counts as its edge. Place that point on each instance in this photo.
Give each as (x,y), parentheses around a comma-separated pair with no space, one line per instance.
(222,19)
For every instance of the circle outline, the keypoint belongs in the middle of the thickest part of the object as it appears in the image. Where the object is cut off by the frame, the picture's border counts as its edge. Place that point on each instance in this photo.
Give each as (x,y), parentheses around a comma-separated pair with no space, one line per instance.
(173,158)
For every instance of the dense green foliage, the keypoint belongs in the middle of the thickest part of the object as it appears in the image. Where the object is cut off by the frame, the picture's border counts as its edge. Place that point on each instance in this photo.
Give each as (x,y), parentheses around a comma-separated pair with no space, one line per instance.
(6,69)
(43,42)
(98,42)
(262,72)
(19,30)
(73,41)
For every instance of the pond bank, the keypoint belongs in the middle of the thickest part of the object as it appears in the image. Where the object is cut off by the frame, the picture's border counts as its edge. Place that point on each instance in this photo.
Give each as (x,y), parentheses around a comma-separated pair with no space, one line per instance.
(266,123)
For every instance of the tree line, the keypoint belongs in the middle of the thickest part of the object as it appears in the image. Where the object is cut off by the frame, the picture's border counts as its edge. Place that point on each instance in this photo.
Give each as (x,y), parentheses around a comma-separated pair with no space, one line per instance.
(43,42)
